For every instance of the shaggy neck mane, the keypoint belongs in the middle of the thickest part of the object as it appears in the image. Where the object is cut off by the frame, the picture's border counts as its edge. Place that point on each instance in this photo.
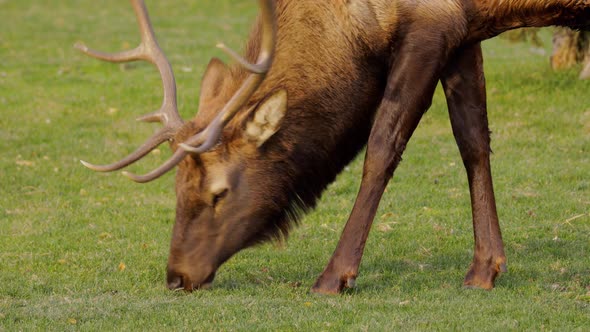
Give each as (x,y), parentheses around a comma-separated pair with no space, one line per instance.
(311,148)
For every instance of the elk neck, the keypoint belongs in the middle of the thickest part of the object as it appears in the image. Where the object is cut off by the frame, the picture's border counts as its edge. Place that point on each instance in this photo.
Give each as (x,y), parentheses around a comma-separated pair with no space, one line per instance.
(330,58)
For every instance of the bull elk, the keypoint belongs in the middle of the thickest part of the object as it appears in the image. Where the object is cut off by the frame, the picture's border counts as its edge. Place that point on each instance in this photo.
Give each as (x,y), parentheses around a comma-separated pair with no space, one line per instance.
(318,82)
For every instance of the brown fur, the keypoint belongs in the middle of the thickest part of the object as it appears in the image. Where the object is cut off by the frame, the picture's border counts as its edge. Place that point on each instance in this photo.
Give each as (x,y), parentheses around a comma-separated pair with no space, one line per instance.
(355,72)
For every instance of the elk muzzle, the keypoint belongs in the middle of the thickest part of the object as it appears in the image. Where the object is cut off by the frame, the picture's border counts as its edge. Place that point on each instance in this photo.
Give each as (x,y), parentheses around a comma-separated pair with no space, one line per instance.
(176,280)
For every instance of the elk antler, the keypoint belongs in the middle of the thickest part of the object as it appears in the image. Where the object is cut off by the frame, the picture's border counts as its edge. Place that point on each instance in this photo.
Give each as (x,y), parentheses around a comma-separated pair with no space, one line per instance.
(207,138)
(149,50)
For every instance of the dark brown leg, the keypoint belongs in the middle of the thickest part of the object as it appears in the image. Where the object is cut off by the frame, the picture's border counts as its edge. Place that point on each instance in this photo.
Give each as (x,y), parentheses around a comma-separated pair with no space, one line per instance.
(408,95)
(464,84)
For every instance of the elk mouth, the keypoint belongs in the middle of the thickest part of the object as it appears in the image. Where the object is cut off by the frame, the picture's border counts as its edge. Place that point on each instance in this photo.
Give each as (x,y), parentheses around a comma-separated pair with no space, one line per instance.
(184,282)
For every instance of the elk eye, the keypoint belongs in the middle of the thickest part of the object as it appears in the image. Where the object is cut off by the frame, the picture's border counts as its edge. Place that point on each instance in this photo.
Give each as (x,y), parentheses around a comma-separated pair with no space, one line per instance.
(217,197)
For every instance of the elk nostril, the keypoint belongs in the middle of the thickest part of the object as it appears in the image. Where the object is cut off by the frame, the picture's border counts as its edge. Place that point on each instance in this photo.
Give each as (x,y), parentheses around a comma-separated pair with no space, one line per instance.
(174,281)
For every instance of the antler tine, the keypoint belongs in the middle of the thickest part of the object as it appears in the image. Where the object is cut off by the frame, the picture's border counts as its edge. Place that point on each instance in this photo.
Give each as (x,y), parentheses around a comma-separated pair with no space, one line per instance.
(152,143)
(208,137)
(148,50)
(253,68)
(169,164)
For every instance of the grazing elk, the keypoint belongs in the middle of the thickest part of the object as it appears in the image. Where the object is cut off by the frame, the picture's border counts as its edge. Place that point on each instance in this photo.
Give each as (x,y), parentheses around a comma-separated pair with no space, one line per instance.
(267,140)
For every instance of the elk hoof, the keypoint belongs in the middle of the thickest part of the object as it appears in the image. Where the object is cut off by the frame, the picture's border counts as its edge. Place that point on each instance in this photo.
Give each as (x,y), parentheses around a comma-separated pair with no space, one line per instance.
(350,283)
(483,275)
(332,285)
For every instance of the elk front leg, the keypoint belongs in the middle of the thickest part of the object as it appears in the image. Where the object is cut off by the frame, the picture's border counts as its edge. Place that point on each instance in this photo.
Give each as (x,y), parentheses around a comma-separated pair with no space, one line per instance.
(464,85)
(408,94)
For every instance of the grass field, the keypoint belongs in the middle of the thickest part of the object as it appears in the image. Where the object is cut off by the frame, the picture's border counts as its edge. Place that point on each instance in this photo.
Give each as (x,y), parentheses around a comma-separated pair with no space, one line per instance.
(87,251)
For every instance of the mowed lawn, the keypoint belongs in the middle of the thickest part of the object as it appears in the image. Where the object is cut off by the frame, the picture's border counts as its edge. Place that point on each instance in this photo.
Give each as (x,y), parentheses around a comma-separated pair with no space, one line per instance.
(81,250)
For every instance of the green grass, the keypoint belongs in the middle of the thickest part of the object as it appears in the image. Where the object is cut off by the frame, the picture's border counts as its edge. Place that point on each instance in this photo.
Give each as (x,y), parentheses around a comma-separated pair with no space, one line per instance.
(66,233)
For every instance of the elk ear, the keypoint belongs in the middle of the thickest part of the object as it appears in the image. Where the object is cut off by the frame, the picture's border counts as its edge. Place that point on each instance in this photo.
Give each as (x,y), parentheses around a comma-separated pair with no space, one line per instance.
(212,80)
(266,118)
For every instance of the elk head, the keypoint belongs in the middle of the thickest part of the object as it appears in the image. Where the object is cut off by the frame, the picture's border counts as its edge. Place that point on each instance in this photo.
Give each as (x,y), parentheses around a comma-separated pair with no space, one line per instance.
(221,206)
